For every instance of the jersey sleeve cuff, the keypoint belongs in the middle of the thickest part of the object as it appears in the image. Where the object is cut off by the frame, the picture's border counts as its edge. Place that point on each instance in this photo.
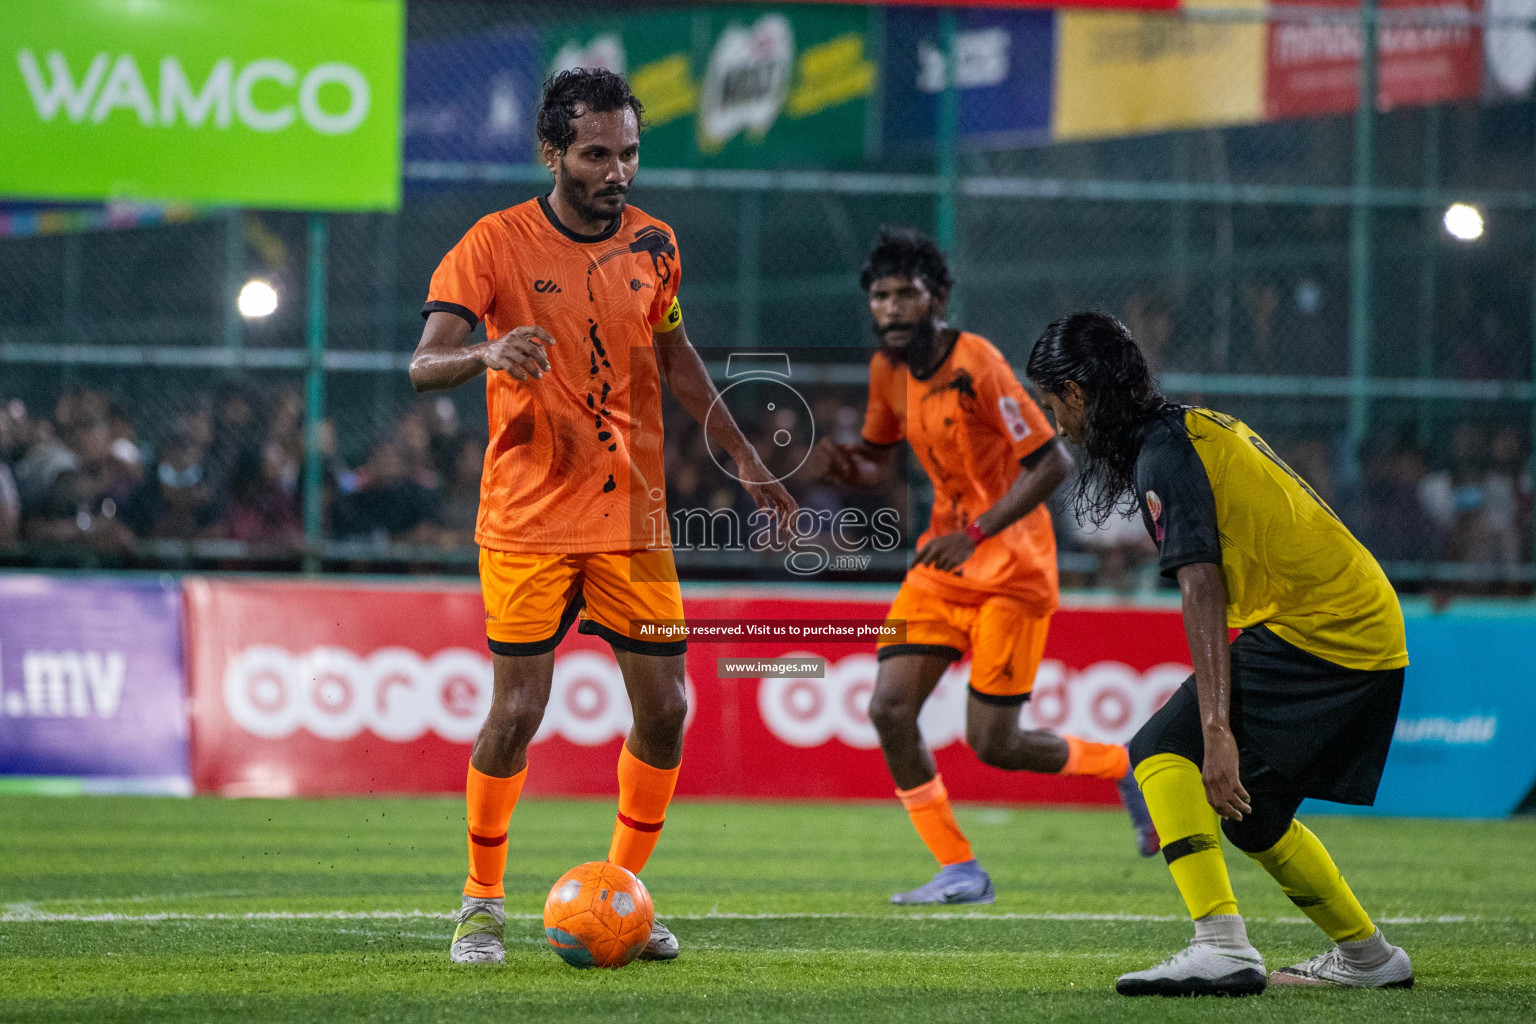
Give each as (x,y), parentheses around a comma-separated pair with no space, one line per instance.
(450,307)
(1035,457)
(1169,567)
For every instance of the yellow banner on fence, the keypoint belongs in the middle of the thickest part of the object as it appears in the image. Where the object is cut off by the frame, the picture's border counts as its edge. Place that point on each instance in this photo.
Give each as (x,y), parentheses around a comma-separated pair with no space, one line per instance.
(1124,74)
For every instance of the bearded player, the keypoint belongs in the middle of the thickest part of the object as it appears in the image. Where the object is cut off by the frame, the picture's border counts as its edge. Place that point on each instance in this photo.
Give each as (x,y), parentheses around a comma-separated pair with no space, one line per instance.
(579,294)
(1302,704)
(984,579)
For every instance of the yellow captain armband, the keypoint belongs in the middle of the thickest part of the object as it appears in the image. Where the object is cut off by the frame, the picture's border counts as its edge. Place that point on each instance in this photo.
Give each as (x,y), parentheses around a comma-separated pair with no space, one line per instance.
(672,319)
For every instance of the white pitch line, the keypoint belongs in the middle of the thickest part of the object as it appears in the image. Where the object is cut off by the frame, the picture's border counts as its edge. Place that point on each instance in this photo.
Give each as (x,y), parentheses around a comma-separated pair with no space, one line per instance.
(29,916)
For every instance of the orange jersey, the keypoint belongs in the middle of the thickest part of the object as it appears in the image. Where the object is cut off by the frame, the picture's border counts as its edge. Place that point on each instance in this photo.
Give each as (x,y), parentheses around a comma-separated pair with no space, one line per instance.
(970,424)
(574,461)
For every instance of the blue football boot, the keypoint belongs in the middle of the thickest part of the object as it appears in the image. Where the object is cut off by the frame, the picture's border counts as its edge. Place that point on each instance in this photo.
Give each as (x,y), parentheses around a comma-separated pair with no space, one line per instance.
(1147,840)
(965,882)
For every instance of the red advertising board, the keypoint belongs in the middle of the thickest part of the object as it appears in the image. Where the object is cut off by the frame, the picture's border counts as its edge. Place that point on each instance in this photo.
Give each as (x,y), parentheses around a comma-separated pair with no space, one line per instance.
(1314,62)
(303,688)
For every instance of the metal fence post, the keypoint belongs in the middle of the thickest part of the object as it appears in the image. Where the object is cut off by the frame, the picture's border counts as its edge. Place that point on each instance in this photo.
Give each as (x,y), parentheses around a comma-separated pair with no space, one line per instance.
(946,144)
(234,274)
(1360,305)
(749,270)
(314,391)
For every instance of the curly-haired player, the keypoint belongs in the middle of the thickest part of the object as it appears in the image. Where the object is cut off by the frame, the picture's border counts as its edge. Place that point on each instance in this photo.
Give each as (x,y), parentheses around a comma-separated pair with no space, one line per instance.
(984,580)
(578,291)
(1302,704)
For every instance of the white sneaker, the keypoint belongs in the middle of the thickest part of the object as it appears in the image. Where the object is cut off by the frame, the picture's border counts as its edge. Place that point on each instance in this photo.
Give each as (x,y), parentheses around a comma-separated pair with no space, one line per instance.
(1331,970)
(1199,969)
(662,944)
(478,932)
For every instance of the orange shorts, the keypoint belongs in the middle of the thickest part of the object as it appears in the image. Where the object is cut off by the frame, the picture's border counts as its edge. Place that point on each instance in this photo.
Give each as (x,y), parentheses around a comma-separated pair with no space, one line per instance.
(531,600)
(1004,639)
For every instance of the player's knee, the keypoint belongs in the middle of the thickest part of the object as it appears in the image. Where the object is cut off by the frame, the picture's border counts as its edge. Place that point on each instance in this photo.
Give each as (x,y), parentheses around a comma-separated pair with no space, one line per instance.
(512,723)
(989,743)
(1260,829)
(662,716)
(891,711)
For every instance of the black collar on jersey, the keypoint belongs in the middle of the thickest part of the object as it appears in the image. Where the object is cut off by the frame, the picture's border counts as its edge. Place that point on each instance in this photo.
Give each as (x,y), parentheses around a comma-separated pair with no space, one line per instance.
(938,364)
(602,236)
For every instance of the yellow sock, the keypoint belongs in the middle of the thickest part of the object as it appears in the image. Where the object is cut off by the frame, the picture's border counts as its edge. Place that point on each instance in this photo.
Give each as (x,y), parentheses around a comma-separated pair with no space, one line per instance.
(1300,863)
(1191,833)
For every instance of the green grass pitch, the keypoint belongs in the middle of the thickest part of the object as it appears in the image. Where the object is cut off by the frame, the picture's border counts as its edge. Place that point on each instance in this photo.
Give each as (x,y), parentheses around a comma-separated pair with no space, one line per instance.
(115,909)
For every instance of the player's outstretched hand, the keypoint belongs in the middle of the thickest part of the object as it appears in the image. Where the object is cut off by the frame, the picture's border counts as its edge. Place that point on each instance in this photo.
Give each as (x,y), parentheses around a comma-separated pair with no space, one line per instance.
(948,552)
(829,460)
(769,495)
(1223,789)
(520,352)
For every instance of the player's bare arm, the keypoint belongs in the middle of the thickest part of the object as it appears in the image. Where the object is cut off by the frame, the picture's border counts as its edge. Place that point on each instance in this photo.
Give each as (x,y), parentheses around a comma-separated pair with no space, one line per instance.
(862,465)
(442,361)
(688,380)
(1205,627)
(1035,482)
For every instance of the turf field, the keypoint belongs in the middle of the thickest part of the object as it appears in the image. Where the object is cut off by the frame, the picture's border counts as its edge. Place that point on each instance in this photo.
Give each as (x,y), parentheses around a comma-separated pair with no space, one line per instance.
(181,910)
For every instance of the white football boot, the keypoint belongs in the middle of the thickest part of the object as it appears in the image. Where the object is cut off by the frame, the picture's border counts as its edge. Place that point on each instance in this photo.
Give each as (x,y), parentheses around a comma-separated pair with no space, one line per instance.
(1340,967)
(662,944)
(1199,969)
(477,936)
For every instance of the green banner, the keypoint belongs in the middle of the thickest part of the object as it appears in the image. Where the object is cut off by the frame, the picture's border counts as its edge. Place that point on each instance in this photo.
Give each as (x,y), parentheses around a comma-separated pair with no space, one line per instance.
(738,86)
(291,104)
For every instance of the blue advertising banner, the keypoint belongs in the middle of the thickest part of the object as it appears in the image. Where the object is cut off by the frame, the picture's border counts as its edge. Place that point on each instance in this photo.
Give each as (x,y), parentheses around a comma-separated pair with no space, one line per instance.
(1465,745)
(472,99)
(1004,76)
(92,685)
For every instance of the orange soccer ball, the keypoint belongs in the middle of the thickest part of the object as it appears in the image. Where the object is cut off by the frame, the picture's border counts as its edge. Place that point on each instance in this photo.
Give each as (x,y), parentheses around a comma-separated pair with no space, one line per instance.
(598,915)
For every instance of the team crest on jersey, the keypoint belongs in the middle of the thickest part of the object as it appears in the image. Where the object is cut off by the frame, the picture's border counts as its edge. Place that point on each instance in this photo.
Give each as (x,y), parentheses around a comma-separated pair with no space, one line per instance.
(1013,417)
(1155,510)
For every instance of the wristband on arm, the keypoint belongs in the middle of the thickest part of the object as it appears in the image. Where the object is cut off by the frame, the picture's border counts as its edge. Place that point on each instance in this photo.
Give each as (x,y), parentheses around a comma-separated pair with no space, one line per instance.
(976,533)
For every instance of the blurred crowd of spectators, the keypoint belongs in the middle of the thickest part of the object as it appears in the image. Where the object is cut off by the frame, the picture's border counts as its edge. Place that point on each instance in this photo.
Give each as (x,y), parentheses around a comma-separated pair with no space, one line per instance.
(83,475)
(227,467)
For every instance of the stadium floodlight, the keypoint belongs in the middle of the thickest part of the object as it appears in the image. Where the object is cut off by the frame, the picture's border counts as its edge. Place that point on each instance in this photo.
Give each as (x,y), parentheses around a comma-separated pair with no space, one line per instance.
(257,298)
(1463,222)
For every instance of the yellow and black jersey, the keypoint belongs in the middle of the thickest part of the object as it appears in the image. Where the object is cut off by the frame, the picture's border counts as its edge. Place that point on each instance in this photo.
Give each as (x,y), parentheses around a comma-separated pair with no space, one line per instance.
(1211,490)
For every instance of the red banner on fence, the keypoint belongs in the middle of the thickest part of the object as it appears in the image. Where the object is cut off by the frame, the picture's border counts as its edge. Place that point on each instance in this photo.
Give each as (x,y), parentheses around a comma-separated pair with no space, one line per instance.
(1314,63)
(313,689)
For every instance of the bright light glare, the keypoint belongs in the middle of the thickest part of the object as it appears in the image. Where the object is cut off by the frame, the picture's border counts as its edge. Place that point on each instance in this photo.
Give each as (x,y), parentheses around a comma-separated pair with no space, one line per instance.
(1463,223)
(257,298)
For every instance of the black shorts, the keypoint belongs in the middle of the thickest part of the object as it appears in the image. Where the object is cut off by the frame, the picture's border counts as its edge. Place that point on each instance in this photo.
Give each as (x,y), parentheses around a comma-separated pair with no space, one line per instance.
(1301,723)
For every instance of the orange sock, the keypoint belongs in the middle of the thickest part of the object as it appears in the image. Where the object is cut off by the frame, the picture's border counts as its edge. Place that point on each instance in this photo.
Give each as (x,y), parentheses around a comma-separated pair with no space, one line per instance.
(488,803)
(928,807)
(1100,760)
(644,793)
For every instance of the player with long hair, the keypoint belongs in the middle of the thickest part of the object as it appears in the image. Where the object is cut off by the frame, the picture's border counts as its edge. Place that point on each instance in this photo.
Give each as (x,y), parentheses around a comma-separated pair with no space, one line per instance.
(578,291)
(1302,704)
(984,579)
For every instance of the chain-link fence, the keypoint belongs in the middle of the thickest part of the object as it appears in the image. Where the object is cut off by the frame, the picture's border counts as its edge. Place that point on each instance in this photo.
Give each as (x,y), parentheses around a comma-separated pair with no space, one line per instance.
(1287,262)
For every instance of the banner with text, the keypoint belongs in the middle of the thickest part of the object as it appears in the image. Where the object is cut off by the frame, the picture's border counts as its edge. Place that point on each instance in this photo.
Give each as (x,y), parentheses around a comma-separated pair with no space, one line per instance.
(1003,76)
(316,688)
(1124,74)
(1314,63)
(253,102)
(736,86)
(1465,745)
(91,685)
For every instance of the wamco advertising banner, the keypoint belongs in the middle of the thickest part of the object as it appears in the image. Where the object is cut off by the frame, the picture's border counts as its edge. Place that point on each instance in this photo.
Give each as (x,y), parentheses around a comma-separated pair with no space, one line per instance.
(253,102)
